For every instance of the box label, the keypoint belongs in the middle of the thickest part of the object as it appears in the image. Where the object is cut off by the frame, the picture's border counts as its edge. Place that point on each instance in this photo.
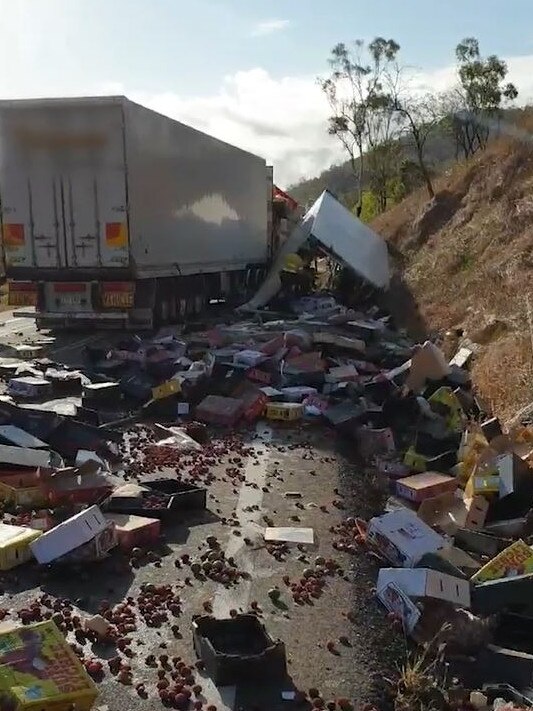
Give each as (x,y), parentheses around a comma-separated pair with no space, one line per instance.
(516,559)
(397,602)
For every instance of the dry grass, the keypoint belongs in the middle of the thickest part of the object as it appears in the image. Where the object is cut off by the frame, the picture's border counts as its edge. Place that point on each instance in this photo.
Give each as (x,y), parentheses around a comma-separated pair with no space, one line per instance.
(467,258)
(504,374)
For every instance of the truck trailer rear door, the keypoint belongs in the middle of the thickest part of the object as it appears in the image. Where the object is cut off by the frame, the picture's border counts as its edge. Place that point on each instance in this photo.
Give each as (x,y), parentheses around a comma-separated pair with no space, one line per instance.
(95,217)
(63,184)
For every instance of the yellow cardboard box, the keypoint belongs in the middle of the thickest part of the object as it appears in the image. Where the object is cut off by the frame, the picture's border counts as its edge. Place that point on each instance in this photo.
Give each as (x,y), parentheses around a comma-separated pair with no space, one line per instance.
(516,559)
(40,672)
(27,496)
(287,411)
(417,462)
(15,545)
(446,398)
(166,389)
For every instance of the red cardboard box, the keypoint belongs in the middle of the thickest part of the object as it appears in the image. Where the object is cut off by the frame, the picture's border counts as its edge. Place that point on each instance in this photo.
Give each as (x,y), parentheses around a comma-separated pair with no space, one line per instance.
(217,410)
(133,531)
(419,487)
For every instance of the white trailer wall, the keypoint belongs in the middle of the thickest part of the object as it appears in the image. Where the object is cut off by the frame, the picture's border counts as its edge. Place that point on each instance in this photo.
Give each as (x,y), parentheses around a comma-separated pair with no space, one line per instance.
(196,204)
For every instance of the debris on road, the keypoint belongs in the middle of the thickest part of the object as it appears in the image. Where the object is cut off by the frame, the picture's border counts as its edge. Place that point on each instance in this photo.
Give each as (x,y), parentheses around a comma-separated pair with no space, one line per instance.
(448,498)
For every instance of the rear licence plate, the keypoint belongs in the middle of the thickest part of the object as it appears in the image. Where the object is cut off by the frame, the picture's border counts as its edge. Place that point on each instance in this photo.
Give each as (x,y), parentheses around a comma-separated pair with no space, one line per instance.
(70,299)
(120,299)
(22,298)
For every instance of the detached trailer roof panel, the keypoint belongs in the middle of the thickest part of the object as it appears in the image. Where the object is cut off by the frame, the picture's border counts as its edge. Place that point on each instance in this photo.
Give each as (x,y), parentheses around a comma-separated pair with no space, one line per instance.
(343,235)
(195,202)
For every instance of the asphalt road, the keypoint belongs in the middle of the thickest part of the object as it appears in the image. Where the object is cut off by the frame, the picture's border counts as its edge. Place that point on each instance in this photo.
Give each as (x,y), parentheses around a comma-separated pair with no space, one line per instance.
(331,486)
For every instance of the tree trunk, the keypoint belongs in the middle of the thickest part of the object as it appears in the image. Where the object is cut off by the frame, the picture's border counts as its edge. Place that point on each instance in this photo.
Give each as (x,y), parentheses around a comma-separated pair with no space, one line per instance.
(425,172)
(360,183)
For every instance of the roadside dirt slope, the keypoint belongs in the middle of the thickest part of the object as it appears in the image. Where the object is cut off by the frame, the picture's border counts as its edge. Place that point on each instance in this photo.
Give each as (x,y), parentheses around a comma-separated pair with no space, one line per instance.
(467,256)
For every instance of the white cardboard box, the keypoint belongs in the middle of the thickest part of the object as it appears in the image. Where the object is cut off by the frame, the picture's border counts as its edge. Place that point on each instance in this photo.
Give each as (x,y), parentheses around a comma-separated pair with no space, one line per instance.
(403,538)
(249,357)
(424,582)
(71,534)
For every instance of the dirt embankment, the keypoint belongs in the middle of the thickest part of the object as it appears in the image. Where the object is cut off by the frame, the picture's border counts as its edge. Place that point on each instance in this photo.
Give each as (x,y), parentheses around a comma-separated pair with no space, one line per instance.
(465,260)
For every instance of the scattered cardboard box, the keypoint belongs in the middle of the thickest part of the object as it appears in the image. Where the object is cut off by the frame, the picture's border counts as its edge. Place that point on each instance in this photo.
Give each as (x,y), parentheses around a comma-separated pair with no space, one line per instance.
(87,527)
(426,485)
(15,545)
(427,363)
(403,538)
(423,582)
(39,670)
(397,602)
(516,559)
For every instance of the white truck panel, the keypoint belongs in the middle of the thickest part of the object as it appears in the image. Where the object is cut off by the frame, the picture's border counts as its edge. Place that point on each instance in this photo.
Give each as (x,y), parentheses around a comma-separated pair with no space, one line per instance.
(62,182)
(196,204)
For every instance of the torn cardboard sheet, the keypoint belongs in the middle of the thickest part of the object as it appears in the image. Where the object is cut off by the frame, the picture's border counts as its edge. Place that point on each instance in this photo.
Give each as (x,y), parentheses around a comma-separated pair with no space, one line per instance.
(427,363)
(289,534)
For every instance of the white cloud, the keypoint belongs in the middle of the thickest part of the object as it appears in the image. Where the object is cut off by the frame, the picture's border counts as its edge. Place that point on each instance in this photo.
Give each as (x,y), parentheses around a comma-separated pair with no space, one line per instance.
(283,120)
(268,27)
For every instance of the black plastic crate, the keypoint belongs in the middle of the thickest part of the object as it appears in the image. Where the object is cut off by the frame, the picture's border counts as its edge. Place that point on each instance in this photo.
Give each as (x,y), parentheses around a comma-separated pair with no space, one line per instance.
(238,649)
(183,495)
(142,506)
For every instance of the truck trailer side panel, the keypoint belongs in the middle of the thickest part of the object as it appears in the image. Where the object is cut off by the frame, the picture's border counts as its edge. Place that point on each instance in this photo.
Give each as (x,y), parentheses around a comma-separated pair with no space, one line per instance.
(63,186)
(197,204)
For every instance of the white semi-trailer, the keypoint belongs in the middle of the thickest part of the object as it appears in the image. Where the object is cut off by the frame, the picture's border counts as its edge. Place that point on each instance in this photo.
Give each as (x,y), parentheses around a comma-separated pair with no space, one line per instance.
(112,213)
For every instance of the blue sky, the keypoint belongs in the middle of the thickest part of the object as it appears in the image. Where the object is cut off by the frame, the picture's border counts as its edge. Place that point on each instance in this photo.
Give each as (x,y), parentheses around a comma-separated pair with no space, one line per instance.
(244,71)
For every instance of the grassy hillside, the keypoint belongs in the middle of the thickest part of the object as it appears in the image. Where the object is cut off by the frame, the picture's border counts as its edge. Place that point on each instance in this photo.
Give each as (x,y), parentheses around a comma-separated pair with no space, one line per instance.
(467,259)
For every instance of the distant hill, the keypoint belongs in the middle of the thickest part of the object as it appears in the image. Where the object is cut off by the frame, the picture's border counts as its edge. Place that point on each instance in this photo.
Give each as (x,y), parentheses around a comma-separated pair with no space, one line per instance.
(340,181)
